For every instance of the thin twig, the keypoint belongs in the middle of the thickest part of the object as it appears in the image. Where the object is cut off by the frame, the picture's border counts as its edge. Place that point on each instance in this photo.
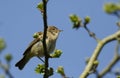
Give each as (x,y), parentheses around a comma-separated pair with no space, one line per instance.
(41,59)
(6,70)
(115,59)
(109,67)
(97,52)
(44,37)
(91,34)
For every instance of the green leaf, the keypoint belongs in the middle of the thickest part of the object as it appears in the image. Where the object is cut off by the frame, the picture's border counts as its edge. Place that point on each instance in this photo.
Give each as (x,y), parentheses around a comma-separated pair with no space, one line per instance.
(111,8)
(2,44)
(60,70)
(40,69)
(8,57)
(87,19)
(50,71)
(75,20)
(57,53)
(35,35)
(40,7)
(118,76)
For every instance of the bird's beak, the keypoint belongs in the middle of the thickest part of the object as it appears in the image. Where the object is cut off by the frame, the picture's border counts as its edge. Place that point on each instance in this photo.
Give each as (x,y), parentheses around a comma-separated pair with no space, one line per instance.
(60,30)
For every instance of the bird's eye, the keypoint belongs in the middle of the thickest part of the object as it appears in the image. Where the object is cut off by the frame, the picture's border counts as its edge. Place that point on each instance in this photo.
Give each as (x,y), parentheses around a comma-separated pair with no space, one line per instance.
(53,29)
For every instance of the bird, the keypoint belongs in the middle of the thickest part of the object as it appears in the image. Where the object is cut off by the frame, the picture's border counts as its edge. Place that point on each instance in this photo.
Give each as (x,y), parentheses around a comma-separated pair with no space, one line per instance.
(35,48)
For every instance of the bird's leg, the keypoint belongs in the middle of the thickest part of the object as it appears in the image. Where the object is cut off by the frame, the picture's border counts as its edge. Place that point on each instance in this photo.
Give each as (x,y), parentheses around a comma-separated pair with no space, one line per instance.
(41,59)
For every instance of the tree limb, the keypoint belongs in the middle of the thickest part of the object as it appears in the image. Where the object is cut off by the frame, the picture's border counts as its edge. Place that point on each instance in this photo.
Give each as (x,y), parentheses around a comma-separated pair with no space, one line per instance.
(97,51)
(115,60)
(44,37)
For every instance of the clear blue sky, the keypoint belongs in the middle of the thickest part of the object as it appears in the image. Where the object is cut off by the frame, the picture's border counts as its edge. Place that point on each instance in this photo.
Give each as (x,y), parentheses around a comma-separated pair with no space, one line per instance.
(19,19)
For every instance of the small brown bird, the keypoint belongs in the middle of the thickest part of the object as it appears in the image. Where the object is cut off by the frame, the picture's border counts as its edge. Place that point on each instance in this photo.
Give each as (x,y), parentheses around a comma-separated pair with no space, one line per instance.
(35,48)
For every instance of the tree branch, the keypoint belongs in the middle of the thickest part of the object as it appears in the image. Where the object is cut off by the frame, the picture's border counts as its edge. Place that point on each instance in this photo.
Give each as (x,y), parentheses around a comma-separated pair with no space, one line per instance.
(115,59)
(108,68)
(97,51)
(6,70)
(44,37)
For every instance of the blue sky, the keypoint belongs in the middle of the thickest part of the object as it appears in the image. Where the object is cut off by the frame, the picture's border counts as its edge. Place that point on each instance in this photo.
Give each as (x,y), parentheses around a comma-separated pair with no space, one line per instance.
(19,19)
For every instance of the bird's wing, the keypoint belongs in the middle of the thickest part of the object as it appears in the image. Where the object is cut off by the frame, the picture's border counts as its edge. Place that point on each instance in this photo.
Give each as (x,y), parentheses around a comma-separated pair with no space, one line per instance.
(30,45)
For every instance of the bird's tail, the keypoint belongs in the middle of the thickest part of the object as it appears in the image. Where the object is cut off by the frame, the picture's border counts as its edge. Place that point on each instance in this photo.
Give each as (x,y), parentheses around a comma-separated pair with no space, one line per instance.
(20,64)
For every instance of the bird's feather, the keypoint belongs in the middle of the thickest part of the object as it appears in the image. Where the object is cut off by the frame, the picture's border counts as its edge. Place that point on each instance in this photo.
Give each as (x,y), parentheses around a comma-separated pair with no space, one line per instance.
(30,45)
